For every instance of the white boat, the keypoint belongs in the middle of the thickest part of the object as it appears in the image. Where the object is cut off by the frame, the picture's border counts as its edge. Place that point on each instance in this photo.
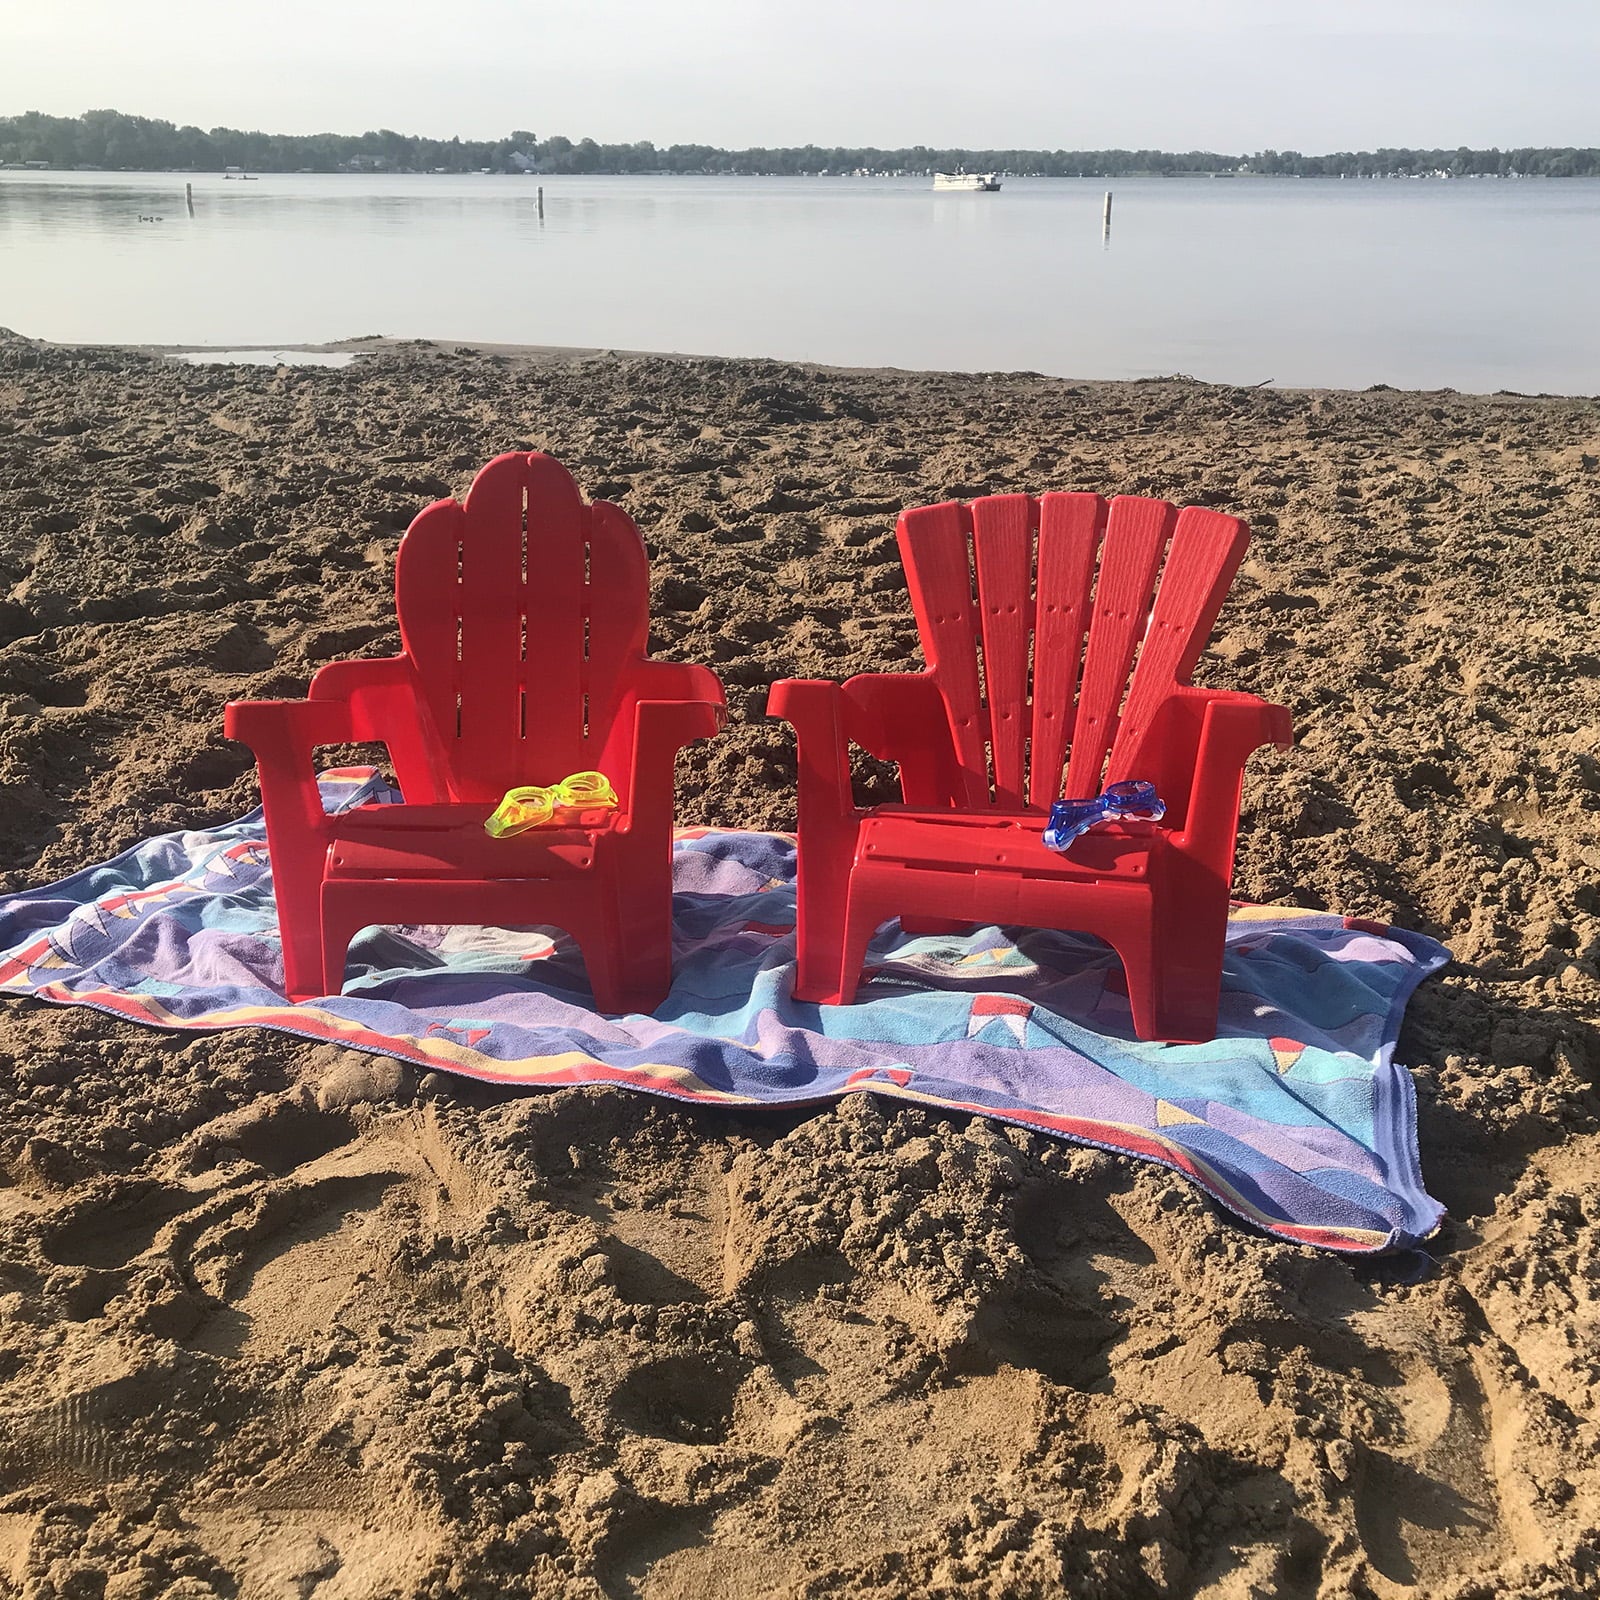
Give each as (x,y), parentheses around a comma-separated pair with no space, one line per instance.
(985,182)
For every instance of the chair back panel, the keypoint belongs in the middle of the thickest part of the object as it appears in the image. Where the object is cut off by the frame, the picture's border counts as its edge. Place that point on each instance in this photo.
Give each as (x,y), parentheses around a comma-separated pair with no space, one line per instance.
(1135,540)
(1070,526)
(1013,596)
(1206,550)
(1002,545)
(497,601)
(936,551)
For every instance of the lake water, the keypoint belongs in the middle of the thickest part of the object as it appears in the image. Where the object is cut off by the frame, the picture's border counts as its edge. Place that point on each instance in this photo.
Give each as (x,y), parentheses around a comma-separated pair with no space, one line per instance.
(1471,284)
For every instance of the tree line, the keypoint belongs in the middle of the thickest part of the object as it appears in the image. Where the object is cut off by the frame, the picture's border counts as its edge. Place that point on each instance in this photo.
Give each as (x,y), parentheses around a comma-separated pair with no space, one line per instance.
(111,139)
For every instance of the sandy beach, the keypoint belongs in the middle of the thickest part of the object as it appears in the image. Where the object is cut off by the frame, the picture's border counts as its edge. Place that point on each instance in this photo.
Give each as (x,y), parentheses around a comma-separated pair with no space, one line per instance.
(278,1320)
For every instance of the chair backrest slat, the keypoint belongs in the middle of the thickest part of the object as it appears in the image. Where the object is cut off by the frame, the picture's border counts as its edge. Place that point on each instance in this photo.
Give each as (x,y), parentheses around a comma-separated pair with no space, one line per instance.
(428,603)
(1070,526)
(1207,548)
(618,596)
(555,538)
(494,600)
(936,552)
(1135,538)
(1002,541)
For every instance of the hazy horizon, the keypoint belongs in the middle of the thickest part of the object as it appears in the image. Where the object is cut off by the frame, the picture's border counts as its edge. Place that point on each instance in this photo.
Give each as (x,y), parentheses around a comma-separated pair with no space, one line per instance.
(1228,75)
(575,136)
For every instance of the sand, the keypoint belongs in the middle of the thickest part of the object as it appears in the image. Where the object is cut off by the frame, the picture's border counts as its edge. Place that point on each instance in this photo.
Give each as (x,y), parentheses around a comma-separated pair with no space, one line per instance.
(279,1321)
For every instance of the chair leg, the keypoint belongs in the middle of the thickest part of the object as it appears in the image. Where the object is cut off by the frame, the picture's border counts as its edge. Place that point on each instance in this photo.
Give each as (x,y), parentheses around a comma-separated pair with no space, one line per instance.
(601,961)
(644,921)
(1173,992)
(302,960)
(618,988)
(827,972)
(337,932)
(1190,990)
(298,897)
(816,976)
(863,921)
(624,933)
(822,897)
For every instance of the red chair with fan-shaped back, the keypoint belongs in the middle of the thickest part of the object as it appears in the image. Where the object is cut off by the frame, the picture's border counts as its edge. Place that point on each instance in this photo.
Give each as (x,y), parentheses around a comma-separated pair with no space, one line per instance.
(1059,634)
(523,619)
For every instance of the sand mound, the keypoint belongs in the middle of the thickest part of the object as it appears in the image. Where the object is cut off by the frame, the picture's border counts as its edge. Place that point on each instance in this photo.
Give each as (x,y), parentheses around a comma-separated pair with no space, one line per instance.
(277,1320)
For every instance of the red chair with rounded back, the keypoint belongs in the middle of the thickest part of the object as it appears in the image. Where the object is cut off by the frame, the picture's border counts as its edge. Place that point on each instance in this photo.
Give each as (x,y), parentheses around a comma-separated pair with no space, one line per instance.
(523,618)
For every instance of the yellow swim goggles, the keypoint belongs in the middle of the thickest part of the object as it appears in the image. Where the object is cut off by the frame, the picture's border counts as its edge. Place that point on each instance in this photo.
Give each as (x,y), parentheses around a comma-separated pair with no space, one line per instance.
(551,805)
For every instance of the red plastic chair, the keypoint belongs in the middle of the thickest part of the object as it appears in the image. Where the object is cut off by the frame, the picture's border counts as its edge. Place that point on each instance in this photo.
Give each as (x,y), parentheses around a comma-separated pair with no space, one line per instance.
(523,618)
(981,749)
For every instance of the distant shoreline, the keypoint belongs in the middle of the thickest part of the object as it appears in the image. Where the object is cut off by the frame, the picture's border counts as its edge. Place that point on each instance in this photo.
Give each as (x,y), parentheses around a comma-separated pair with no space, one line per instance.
(114,141)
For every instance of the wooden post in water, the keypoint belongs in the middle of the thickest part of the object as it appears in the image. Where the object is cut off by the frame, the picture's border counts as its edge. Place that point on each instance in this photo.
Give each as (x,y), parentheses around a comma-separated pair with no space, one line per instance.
(541,202)
(1105,220)
(188,197)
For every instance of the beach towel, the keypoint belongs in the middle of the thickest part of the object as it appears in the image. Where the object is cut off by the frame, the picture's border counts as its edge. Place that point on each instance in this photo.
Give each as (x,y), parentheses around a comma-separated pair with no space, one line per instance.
(1296,1117)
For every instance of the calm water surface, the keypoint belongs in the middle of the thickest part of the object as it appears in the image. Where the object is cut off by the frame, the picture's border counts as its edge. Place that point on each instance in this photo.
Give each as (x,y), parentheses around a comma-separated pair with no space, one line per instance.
(1475,285)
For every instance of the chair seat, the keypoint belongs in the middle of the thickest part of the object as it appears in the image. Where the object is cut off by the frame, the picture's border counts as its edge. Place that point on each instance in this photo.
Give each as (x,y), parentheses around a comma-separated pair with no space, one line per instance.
(448,841)
(1003,841)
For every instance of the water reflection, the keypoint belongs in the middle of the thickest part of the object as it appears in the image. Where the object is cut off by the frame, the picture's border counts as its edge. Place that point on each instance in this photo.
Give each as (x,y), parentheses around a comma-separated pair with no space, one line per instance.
(1474,285)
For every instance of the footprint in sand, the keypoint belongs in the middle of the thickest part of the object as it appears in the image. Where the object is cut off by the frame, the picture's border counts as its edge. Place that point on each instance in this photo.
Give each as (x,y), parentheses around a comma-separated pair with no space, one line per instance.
(114,1227)
(1429,1507)
(332,1239)
(306,1275)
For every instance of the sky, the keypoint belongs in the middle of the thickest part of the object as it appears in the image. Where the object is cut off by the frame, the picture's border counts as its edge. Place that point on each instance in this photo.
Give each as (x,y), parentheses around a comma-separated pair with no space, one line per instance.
(1228,75)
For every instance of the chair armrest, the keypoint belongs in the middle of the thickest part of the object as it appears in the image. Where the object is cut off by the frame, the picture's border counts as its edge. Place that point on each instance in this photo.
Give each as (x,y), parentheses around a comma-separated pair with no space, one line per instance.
(1195,752)
(663,727)
(818,712)
(387,706)
(902,717)
(377,690)
(282,734)
(1248,716)
(882,707)
(676,680)
(895,716)
(287,728)
(660,729)
(1233,727)
(812,706)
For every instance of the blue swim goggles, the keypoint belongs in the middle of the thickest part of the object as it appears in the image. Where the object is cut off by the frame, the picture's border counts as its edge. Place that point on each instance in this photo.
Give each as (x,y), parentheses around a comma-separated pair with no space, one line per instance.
(1071,819)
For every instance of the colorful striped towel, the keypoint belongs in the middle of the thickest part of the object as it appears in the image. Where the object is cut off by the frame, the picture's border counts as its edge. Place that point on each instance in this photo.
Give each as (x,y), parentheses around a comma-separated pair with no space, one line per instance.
(1296,1117)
